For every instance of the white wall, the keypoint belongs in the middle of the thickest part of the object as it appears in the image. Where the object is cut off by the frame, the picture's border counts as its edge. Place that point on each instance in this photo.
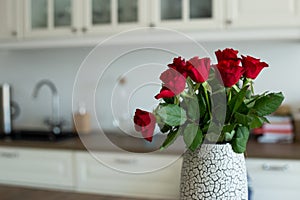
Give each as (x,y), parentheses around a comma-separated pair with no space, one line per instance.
(24,68)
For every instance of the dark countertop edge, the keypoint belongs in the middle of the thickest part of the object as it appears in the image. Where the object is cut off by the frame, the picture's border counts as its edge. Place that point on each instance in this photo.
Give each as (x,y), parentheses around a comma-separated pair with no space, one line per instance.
(77,146)
(254,149)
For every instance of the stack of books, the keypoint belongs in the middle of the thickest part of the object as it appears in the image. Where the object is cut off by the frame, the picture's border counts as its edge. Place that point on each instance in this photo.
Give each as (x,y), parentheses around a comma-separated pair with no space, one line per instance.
(279,130)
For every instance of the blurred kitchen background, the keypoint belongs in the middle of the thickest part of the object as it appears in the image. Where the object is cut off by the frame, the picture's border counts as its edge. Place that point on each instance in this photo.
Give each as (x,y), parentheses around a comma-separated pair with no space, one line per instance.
(50,39)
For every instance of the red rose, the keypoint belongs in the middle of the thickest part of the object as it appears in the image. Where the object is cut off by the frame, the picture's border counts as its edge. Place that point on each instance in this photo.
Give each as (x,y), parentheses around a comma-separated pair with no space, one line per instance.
(252,66)
(144,123)
(230,72)
(173,84)
(198,69)
(173,80)
(227,54)
(164,93)
(179,65)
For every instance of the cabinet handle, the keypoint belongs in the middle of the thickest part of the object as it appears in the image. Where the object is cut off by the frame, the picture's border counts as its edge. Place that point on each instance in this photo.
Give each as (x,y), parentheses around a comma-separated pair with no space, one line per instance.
(9,155)
(74,30)
(268,167)
(84,29)
(125,161)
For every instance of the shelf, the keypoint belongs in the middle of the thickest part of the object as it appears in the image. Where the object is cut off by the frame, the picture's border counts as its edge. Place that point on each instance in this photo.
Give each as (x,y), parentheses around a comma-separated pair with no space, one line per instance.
(150,35)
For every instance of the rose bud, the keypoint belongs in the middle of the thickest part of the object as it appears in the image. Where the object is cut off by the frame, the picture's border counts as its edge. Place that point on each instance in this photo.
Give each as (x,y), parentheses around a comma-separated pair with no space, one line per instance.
(145,123)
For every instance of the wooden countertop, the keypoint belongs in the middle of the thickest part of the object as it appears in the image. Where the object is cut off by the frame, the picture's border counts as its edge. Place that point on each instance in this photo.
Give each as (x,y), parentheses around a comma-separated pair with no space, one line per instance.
(112,142)
(275,151)
(16,193)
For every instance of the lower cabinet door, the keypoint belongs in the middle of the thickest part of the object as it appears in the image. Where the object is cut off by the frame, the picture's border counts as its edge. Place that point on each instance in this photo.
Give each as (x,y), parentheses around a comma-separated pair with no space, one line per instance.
(96,177)
(274,179)
(36,167)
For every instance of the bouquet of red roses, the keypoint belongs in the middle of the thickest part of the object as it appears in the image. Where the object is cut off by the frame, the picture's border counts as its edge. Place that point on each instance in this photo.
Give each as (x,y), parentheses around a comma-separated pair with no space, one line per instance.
(207,103)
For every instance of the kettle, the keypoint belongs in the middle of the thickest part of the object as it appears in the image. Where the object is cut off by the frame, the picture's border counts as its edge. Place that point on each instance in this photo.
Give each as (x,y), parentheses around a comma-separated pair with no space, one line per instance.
(8,109)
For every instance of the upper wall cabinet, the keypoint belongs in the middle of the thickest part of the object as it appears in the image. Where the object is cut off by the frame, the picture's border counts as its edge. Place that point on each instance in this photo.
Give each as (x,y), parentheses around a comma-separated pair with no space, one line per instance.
(107,16)
(36,18)
(187,14)
(72,17)
(50,17)
(9,19)
(263,13)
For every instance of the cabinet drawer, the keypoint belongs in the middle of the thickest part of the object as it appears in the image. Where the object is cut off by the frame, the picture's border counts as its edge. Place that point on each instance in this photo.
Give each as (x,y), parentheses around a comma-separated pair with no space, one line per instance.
(42,168)
(96,177)
(274,179)
(274,173)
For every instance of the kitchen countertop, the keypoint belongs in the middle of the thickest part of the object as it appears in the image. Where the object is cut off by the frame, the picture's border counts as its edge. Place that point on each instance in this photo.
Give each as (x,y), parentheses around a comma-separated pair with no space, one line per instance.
(112,141)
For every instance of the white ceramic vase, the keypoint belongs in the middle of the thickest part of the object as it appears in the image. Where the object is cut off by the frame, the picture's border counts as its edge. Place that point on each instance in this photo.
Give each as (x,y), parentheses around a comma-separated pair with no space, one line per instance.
(213,171)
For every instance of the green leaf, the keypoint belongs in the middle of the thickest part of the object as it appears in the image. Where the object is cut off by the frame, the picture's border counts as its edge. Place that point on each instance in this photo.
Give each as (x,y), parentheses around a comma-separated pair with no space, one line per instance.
(268,103)
(253,98)
(172,136)
(192,136)
(243,109)
(239,141)
(172,115)
(242,119)
(235,103)
(218,106)
(258,121)
(192,105)
(237,100)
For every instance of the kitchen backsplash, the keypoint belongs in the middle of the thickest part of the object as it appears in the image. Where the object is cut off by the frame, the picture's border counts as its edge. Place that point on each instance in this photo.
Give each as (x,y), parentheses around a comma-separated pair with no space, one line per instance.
(24,68)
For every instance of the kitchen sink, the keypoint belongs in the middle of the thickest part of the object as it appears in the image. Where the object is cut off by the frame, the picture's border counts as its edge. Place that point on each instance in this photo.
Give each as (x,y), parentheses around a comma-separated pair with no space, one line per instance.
(40,135)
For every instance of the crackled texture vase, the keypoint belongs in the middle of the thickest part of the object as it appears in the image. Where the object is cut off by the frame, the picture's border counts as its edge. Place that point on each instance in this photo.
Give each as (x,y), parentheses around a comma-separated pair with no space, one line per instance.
(213,172)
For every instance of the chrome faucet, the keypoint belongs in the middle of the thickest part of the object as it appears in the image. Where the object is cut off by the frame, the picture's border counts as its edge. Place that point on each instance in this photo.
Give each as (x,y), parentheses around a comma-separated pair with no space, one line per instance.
(54,122)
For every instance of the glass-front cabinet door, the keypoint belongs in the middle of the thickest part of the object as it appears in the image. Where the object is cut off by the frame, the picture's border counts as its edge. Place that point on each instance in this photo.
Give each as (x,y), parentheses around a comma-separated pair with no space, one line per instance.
(10,12)
(113,15)
(187,14)
(50,17)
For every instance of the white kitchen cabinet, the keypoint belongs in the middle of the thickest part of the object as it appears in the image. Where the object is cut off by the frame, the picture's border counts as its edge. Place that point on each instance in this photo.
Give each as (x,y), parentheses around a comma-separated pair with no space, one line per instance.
(77,17)
(274,179)
(51,17)
(10,12)
(36,167)
(187,14)
(264,14)
(65,18)
(96,177)
(109,16)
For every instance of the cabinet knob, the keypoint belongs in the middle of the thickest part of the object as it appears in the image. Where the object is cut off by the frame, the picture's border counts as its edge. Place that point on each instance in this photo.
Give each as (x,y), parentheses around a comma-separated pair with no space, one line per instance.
(74,30)
(14,33)
(228,22)
(151,25)
(84,29)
